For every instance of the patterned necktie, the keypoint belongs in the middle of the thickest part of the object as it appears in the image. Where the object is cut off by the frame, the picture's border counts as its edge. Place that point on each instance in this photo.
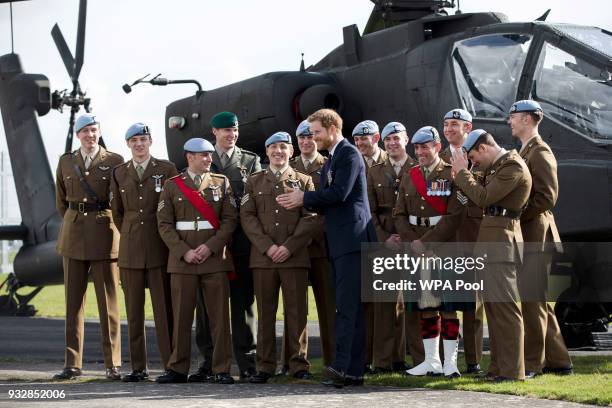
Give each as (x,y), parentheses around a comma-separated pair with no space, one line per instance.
(140,171)
(325,170)
(197,180)
(87,162)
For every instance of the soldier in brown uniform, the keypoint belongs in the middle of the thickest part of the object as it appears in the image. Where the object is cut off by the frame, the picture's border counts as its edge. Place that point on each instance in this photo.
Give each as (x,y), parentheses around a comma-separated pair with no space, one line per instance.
(279,256)
(88,241)
(310,162)
(457,125)
(545,350)
(136,187)
(196,216)
(503,195)
(428,211)
(389,334)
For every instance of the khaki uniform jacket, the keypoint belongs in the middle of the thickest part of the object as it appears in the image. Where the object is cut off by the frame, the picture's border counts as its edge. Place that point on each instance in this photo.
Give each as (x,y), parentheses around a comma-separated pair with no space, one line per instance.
(409,202)
(382,157)
(174,206)
(317,248)
(506,184)
(537,221)
(86,236)
(266,223)
(134,204)
(383,188)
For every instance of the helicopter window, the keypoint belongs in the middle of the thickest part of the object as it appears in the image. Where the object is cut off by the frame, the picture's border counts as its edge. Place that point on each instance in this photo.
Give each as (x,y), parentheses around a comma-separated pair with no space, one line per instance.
(487,71)
(574,92)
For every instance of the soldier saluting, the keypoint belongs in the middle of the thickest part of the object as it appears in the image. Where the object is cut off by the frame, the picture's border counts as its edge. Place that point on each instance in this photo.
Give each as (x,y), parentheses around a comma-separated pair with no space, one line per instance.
(196,216)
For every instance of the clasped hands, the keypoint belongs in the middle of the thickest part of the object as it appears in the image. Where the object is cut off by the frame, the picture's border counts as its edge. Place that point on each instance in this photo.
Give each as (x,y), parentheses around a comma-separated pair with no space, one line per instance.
(197,255)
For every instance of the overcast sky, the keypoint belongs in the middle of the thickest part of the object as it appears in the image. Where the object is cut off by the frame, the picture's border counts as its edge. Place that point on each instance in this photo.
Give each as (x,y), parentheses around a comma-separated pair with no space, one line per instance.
(217,43)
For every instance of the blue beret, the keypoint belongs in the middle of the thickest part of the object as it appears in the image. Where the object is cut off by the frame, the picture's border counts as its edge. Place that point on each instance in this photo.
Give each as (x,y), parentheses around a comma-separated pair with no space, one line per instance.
(224,120)
(137,129)
(472,138)
(526,105)
(85,120)
(391,128)
(460,114)
(426,134)
(303,129)
(198,145)
(365,128)
(278,137)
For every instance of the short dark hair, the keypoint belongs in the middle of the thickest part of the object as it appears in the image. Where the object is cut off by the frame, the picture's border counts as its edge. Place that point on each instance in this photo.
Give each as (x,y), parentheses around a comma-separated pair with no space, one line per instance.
(536,116)
(486,139)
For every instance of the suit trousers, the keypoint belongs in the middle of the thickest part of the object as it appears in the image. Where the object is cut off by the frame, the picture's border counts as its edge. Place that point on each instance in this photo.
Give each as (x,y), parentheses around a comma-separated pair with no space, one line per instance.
(242,308)
(349,324)
(134,282)
(105,276)
(294,285)
(215,287)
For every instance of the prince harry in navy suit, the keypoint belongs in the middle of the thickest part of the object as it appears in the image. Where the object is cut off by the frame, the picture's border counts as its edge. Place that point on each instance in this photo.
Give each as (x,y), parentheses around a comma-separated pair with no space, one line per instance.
(343,198)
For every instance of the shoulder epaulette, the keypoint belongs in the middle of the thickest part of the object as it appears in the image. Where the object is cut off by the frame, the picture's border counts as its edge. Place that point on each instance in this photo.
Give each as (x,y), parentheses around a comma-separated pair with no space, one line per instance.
(248,152)
(173,177)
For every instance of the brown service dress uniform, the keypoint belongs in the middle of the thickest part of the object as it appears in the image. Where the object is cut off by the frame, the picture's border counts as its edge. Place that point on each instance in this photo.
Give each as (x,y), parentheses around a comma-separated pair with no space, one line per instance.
(266,223)
(89,241)
(544,345)
(182,228)
(143,256)
(389,334)
(503,194)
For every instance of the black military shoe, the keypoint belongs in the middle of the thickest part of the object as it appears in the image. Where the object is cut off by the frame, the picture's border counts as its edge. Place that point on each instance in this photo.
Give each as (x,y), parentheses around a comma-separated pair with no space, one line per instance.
(558,370)
(113,373)
(333,378)
(135,376)
(380,370)
(530,374)
(224,378)
(368,370)
(68,373)
(247,374)
(502,379)
(283,370)
(473,369)
(204,374)
(352,381)
(171,376)
(400,367)
(302,375)
(260,378)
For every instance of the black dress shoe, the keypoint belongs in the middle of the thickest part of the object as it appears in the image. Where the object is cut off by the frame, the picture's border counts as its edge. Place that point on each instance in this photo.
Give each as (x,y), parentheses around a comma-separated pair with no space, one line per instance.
(502,379)
(260,378)
(302,375)
(485,376)
(135,376)
(68,373)
(380,370)
(283,370)
(473,369)
(530,374)
(333,377)
(400,366)
(204,374)
(558,370)
(352,381)
(224,378)
(368,370)
(171,376)
(113,373)
(245,375)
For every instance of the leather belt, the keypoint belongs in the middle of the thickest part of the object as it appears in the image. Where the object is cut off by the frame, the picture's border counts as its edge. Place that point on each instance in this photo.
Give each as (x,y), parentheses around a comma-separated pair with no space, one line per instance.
(88,207)
(193,225)
(424,221)
(497,211)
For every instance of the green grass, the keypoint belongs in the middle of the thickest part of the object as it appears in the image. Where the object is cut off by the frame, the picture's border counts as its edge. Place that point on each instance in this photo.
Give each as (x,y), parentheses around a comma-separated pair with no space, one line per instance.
(50,303)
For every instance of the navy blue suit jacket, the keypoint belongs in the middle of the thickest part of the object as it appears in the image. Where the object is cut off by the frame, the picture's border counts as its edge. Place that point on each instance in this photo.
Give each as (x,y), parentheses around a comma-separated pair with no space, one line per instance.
(344,202)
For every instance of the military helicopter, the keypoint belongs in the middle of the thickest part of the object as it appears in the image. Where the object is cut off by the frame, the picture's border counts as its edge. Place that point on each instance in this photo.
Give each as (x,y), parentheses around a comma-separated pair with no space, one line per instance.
(417,62)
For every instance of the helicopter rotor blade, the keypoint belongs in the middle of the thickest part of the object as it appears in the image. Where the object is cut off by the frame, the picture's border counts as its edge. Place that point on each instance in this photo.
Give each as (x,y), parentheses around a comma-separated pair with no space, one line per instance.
(80,45)
(62,47)
(69,137)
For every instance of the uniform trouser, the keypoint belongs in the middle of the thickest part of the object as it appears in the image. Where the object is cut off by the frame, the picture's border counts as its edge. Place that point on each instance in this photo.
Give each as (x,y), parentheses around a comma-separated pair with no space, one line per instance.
(242,308)
(320,277)
(414,341)
(105,276)
(216,292)
(388,340)
(134,282)
(473,333)
(294,285)
(506,334)
(349,323)
(544,345)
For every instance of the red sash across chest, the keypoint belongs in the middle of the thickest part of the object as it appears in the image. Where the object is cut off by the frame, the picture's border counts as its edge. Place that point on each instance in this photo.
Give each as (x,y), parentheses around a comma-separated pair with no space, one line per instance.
(199,203)
(418,180)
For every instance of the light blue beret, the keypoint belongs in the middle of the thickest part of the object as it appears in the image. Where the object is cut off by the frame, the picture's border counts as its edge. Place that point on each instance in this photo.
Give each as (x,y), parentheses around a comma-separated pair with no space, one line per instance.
(426,134)
(198,145)
(365,128)
(460,114)
(472,138)
(85,120)
(392,128)
(526,105)
(278,137)
(137,129)
(303,129)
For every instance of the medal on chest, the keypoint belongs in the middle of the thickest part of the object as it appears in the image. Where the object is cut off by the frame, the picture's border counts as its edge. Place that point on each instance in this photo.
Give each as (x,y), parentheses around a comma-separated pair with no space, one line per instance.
(158,182)
(215,192)
(243,174)
(438,187)
(295,183)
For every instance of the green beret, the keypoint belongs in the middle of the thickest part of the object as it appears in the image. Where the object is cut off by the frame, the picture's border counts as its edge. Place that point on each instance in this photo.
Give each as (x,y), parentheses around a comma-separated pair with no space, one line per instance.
(224,120)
